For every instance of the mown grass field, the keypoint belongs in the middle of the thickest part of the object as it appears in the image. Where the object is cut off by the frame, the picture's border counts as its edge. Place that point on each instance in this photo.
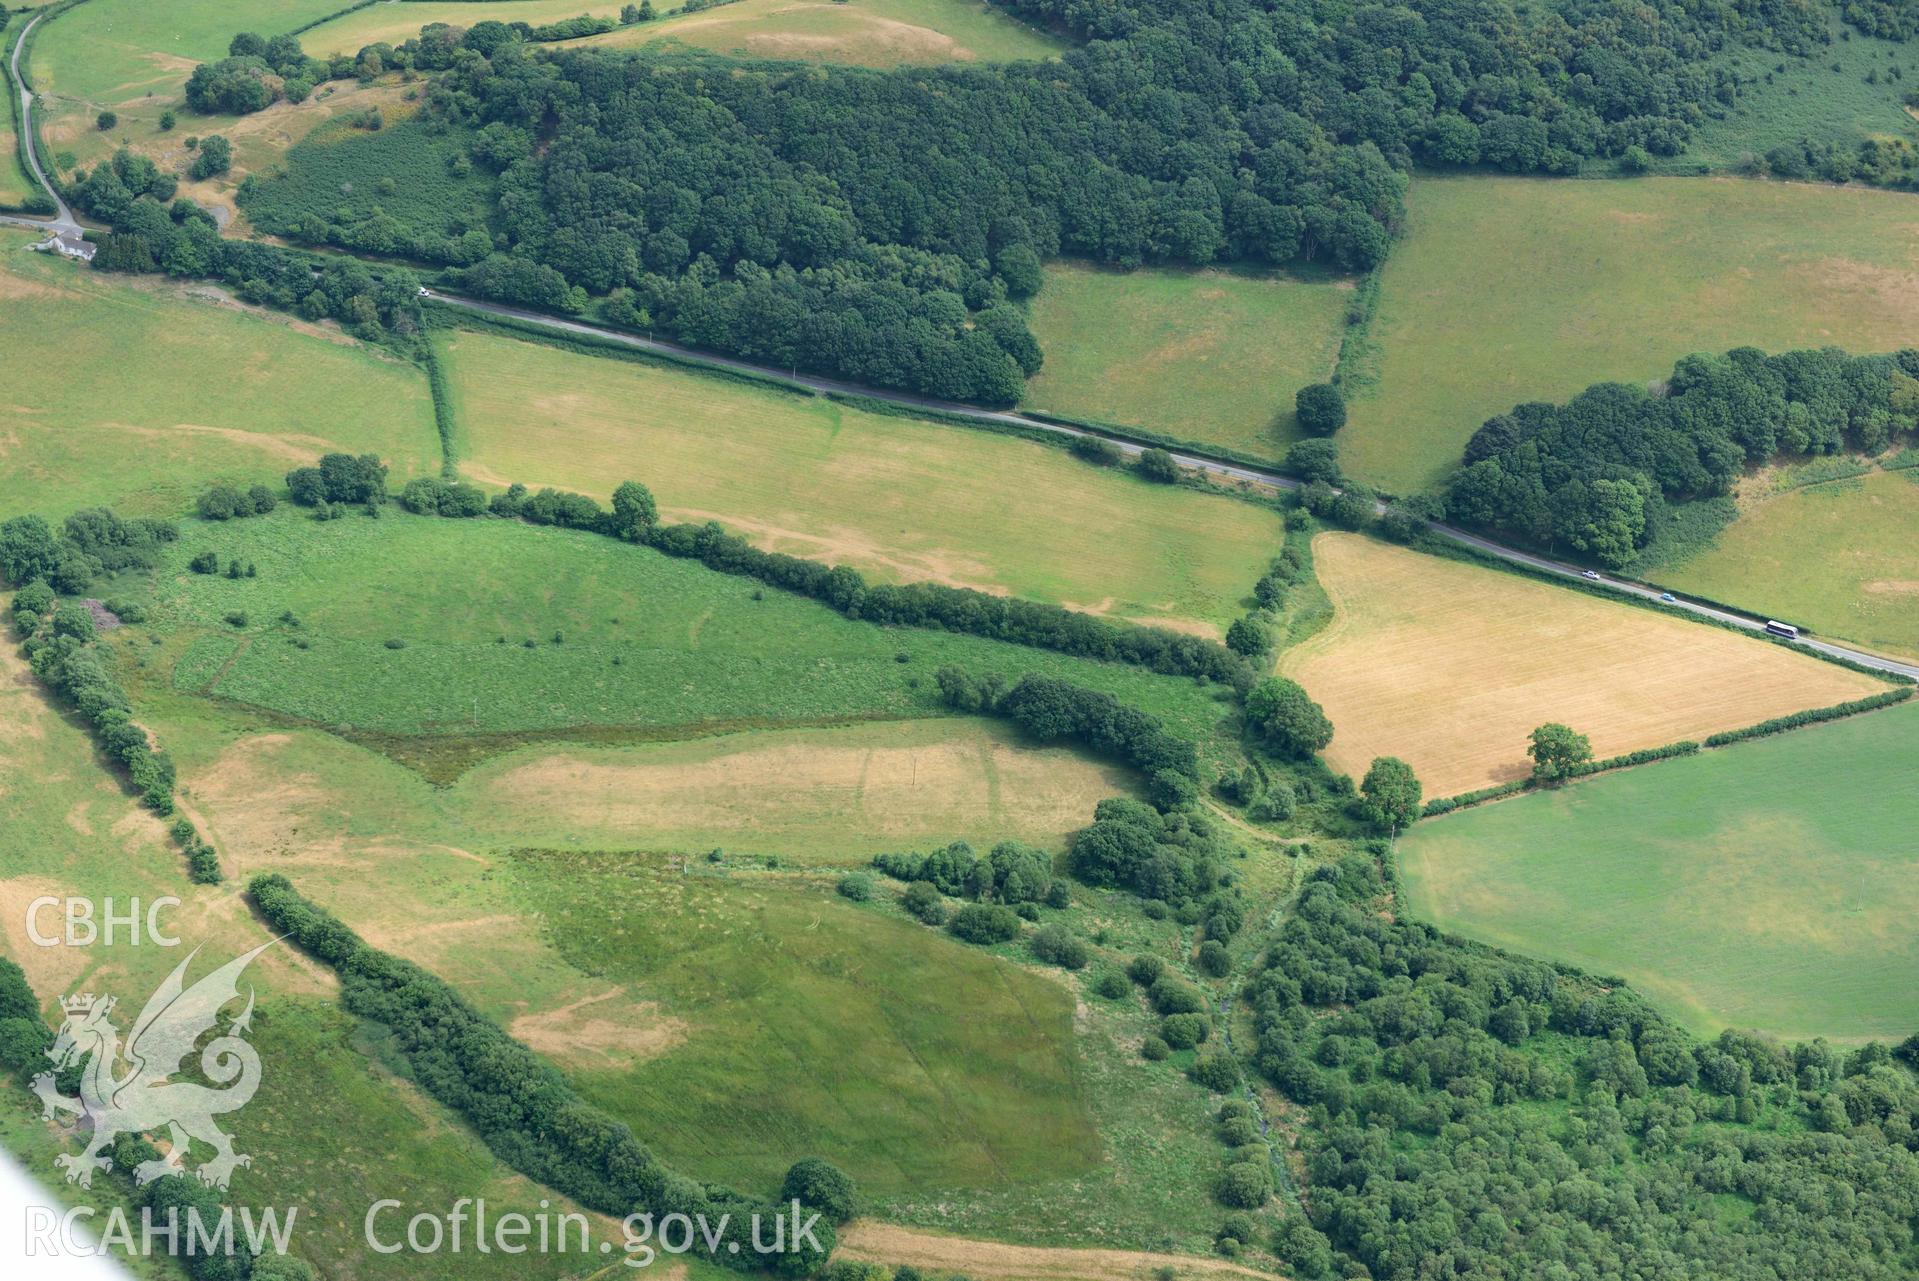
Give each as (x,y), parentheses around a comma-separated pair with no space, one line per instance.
(134,56)
(835,795)
(960,1070)
(507,628)
(1201,355)
(1450,666)
(1769,884)
(1838,557)
(146,392)
(396,23)
(867,33)
(1513,289)
(901,499)
(816,797)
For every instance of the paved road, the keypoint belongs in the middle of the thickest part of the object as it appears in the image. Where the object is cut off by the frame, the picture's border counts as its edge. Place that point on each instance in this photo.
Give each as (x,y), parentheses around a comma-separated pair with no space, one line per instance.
(63,227)
(66,233)
(1212,466)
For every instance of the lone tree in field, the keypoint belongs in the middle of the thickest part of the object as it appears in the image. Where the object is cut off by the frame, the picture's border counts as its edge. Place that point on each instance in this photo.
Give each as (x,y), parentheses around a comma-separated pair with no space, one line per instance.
(1320,408)
(1390,793)
(1287,717)
(1557,751)
(214,158)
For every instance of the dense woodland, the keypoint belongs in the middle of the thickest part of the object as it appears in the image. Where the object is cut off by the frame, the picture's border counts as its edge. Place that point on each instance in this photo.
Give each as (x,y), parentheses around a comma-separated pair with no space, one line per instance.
(1605,473)
(1478,1114)
(875,224)
(373,301)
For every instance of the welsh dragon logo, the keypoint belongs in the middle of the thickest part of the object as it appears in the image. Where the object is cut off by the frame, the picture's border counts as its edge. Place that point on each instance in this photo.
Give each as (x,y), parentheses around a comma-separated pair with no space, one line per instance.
(141,1099)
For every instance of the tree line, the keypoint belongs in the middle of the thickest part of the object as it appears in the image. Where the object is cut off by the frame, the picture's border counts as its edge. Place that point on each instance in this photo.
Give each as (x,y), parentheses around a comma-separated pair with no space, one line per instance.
(374,302)
(634,517)
(62,653)
(92,543)
(1011,873)
(1604,473)
(60,641)
(1424,1062)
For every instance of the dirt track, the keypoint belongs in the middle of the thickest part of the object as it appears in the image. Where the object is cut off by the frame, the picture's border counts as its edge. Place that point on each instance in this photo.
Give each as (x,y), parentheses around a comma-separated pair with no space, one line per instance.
(998,1261)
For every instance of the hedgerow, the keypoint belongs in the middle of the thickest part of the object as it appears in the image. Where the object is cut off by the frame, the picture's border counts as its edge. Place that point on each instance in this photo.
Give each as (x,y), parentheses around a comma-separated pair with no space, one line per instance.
(523,1109)
(932,605)
(1054,710)
(1779,724)
(60,641)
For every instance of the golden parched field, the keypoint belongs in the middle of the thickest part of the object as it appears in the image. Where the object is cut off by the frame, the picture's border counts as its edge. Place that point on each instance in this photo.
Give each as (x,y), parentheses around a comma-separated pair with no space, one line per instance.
(866,33)
(1450,666)
(900,499)
(827,795)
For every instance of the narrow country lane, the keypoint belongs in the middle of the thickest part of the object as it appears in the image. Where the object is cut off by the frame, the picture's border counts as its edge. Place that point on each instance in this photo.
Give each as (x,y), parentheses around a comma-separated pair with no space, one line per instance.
(63,227)
(67,232)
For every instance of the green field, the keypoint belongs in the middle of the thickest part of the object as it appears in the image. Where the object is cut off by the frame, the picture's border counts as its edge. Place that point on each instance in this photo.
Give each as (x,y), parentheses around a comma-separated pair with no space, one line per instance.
(868,33)
(811,1026)
(1201,355)
(147,392)
(506,628)
(15,186)
(1838,557)
(1513,289)
(134,56)
(898,498)
(1770,884)
(135,59)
